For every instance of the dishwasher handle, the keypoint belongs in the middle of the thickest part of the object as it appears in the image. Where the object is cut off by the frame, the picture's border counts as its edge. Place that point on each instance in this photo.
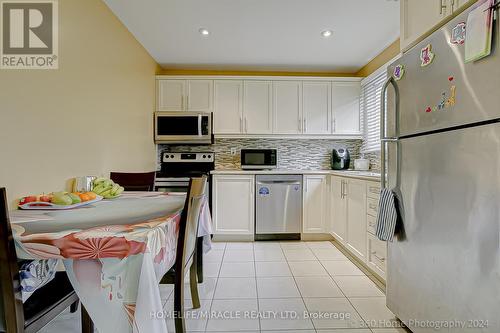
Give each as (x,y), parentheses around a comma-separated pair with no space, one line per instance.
(283,182)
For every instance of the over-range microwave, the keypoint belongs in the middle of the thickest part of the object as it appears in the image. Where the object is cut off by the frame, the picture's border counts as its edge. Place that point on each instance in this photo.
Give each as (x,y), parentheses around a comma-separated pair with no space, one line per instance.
(253,159)
(181,127)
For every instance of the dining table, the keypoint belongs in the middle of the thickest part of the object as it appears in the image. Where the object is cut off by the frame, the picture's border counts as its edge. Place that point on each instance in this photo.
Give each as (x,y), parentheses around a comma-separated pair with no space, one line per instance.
(115,253)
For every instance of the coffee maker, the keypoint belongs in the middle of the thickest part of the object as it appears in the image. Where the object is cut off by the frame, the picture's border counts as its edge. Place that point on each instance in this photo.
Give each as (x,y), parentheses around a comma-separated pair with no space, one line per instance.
(341,159)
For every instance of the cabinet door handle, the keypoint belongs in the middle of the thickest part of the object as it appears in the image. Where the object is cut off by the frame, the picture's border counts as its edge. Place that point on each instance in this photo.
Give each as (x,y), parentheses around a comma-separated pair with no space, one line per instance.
(300,124)
(241,123)
(334,125)
(182,103)
(305,125)
(376,256)
(442,6)
(246,125)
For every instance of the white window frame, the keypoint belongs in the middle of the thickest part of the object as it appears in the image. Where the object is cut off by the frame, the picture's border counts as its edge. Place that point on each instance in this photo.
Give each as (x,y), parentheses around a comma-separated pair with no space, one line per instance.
(371,139)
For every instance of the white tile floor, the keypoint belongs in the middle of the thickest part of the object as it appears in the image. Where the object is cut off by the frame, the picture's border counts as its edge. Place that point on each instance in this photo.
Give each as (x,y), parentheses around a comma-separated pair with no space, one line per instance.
(293,286)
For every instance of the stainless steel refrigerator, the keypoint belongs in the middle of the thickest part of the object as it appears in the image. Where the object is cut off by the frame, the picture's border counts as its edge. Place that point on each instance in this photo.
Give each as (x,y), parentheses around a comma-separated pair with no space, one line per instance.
(442,151)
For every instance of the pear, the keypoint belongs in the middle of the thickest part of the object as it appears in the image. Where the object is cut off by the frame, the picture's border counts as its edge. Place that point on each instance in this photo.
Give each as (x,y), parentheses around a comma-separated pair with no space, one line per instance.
(60,198)
(74,198)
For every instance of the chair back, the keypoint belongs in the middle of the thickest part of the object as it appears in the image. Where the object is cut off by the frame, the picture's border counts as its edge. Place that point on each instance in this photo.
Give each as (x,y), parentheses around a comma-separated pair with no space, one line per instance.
(11,305)
(143,181)
(188,232)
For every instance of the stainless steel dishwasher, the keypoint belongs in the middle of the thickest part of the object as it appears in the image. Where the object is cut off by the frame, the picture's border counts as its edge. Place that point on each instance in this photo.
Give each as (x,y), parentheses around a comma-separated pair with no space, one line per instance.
(278,205)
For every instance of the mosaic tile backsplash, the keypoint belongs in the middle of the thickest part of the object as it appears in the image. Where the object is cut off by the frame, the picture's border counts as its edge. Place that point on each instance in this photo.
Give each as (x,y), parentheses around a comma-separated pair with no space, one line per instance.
(293,154)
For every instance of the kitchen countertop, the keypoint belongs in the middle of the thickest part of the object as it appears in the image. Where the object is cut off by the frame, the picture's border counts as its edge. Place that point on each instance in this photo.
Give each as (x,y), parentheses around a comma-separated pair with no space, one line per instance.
(366,175)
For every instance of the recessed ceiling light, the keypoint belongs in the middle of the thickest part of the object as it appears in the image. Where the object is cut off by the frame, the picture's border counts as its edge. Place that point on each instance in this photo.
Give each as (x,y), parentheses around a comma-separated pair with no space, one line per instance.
(204,32)
(326,33)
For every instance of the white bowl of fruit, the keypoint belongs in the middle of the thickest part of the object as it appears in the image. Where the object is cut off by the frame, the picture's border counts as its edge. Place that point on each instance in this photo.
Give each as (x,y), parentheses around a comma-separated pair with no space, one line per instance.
(58,200)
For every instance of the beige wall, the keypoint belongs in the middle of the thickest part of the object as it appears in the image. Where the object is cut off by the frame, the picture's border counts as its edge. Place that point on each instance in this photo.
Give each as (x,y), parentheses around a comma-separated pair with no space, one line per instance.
(91,116)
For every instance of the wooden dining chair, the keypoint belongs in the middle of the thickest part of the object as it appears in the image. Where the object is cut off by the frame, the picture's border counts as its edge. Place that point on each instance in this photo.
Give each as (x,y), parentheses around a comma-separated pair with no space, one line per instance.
(186,251)
(44,304)
(144,181)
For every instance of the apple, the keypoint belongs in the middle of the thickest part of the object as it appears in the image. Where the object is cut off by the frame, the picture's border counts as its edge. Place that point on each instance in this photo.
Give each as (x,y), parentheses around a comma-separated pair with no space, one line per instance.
(45,198)
(28,199)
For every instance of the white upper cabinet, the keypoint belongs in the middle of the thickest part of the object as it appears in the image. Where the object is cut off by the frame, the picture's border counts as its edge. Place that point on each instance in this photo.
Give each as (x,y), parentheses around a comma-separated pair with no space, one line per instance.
(458,3)
(199,95)
(228,111)
(184,95)
(418,17)
(345,107)
(267,106)
(287,107)
(316,107)
(257,107)
(170,95)
(315,190)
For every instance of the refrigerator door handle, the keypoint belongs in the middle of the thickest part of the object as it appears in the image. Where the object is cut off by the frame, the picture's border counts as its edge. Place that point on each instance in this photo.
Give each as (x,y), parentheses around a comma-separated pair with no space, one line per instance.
(383,131)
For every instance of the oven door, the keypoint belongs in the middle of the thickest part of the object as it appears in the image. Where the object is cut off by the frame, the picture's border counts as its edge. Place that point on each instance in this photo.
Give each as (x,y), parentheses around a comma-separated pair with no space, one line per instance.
(172,184)
(183,127)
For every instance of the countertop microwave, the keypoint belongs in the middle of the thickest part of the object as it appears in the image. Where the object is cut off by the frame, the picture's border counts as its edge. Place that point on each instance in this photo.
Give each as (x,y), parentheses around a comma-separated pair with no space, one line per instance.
(254,159)
(182,127)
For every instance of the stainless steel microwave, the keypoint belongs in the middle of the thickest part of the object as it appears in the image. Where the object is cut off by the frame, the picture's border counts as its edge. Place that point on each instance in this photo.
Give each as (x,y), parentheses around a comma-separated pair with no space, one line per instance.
(181,127)
(259,159)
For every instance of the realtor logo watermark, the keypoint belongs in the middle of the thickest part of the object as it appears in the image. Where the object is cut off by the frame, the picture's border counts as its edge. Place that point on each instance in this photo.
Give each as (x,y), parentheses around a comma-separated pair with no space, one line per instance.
(29,35)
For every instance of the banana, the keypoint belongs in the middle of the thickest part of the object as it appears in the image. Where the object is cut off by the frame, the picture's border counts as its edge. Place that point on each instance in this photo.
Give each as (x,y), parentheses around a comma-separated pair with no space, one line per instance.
(99,188)
(108,182)
(106,193)
(106,188)
(98,180)
(120,190)
(115,188)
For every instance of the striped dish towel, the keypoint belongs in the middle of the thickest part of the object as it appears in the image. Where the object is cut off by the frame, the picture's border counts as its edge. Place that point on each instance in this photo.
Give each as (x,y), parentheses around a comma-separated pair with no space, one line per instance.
(387,215)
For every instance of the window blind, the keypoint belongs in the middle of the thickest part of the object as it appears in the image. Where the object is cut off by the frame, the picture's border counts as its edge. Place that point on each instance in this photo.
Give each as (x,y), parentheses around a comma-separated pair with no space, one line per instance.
(371,90)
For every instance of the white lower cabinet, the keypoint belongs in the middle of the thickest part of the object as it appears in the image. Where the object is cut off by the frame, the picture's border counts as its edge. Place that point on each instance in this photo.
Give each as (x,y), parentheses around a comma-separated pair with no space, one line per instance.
(356,217)
(376,255)
(353,216)
(233,204)
(338,209)
(315,191)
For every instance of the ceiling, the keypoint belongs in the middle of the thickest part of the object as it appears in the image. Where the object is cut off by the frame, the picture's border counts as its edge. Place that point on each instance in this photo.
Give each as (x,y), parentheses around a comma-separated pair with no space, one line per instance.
(278,35)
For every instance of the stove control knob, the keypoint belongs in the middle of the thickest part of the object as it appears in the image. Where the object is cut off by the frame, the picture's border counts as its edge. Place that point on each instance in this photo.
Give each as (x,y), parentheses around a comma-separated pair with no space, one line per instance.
(204,156)
(166,156)
(209,156)
(171,156)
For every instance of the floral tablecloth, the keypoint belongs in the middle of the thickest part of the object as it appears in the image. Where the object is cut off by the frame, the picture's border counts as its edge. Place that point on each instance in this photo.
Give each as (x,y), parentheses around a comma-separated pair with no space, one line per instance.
(115,253)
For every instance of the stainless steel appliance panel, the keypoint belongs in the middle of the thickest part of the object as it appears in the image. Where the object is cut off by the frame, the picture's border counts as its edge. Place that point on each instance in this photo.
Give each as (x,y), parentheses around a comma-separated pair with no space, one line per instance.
(183,127)
(278,204)
(446,267)
(477,96)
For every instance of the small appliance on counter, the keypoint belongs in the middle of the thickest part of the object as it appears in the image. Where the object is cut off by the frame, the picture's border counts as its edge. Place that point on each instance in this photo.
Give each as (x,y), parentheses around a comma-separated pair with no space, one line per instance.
(362,164)
(340,159)
(259,159)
